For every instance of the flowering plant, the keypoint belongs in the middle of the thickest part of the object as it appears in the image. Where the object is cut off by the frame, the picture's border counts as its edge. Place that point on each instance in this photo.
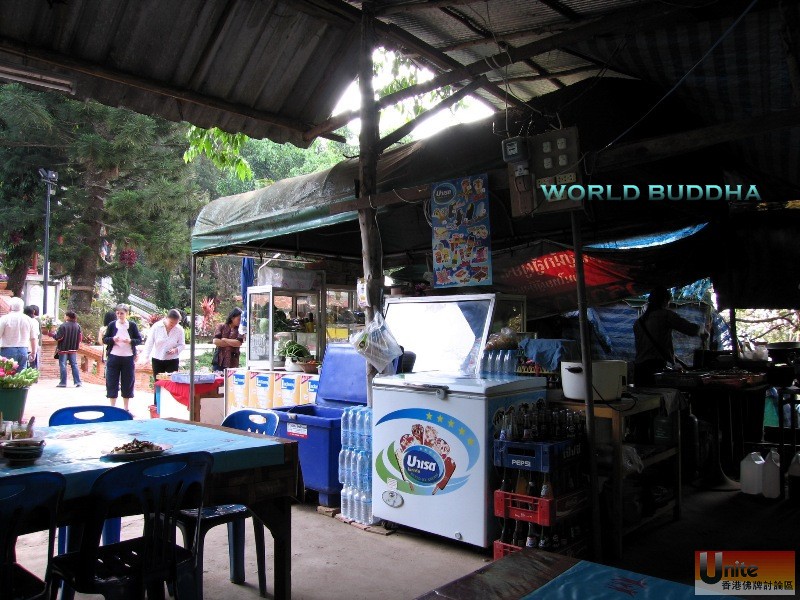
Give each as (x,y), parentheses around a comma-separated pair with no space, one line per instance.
(47,322)
(3,277)
(12,377)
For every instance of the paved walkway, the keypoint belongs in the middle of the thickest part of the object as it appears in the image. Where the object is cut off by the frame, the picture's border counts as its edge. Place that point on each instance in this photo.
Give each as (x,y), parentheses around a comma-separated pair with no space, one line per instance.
(44,398)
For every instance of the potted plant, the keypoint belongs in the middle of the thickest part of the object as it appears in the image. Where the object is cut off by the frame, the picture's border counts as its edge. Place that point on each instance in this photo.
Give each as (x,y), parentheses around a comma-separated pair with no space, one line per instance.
(14,384)
(293,353)
(48,324)
(3,281)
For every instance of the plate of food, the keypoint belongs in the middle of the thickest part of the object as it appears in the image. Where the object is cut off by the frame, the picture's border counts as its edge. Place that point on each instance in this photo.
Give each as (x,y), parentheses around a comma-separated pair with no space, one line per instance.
(137,449)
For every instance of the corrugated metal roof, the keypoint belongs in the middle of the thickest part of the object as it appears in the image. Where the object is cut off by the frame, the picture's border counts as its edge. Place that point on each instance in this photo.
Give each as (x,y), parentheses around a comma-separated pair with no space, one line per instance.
(263,67)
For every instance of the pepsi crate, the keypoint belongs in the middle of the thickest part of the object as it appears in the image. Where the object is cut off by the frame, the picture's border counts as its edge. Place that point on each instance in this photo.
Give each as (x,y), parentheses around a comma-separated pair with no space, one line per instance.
(542,457)
(542,511)
(502,549)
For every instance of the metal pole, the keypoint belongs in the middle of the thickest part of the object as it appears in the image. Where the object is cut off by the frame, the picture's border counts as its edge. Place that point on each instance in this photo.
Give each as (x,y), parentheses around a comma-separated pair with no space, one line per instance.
(46,268)
(193,310)
(586,354)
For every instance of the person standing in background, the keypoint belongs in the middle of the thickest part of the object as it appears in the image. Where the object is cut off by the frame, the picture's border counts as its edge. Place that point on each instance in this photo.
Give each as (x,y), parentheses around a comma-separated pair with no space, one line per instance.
(121,338)
(653,336)
(32,312)
(17,338)
(228,340)
(164,344)
(69,337)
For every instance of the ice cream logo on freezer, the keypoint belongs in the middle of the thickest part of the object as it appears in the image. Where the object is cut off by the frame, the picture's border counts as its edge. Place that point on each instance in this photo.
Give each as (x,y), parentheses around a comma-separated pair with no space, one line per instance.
(431,452)
(423,465)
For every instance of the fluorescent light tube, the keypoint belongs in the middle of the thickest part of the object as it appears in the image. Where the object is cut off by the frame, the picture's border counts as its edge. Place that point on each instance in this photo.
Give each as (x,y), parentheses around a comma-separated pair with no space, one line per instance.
(22,74)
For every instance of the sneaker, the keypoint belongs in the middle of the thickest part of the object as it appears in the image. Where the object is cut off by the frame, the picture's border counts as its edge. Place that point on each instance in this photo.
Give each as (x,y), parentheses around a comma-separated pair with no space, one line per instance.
(62,385)
(77,385)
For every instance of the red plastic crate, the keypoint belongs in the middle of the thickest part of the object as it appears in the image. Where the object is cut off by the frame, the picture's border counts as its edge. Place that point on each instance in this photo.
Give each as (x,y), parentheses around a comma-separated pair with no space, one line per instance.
(542,511)
(501,549)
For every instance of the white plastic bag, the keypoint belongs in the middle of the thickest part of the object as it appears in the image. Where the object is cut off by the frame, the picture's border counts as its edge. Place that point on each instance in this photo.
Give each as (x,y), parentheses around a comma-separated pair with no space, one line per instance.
(376,343)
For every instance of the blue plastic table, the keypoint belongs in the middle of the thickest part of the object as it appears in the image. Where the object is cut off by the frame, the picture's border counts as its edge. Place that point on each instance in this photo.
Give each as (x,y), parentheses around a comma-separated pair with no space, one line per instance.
(251,469)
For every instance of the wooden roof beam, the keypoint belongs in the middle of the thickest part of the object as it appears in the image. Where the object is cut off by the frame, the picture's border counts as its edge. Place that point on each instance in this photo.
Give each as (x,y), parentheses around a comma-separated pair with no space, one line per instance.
(407,7)
(402,131)
(469,24)
(643,151)
(618,22)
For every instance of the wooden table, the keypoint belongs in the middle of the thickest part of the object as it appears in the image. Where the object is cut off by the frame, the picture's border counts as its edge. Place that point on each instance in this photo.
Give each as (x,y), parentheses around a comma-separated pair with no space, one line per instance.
(534,574)
(258,471)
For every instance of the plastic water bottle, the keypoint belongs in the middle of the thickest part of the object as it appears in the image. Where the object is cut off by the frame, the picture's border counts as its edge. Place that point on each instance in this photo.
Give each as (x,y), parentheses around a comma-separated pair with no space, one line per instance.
(343,466)
(347,496)
(345,427)
(355,508)
(486,363)
(351,439)
(771,486)
(367,445)
(352,466)
(510,362)
(793,475)
(355,432)
(366,508)
(752,473)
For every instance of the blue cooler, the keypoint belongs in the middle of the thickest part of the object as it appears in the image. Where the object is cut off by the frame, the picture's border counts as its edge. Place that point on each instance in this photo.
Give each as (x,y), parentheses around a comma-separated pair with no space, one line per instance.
(317,428)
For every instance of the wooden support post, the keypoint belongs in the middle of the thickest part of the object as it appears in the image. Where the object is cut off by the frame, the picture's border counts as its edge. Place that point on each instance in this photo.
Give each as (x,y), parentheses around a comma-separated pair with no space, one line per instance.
(371,247)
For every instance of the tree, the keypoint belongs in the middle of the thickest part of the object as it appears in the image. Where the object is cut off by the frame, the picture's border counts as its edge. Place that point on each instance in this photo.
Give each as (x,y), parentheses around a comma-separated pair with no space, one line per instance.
(124,186)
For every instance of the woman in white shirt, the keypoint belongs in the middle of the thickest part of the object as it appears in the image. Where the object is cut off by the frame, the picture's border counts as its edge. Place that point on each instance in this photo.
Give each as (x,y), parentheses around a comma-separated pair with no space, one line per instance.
(121,338)
(164,345)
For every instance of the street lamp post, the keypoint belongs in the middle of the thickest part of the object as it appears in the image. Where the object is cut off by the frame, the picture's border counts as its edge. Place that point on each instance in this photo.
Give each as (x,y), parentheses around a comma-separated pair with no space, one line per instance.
(51,179)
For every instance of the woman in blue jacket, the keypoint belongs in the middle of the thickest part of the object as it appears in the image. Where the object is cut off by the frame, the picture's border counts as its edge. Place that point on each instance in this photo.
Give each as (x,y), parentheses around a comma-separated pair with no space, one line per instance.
(121,338)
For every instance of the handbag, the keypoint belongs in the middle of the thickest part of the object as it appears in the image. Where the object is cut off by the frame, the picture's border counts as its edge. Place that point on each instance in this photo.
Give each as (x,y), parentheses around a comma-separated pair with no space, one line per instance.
(56,355)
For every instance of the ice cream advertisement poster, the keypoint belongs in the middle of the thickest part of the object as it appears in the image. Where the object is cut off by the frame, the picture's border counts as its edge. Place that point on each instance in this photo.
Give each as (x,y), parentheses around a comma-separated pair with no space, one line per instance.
(461,232)
(432,452)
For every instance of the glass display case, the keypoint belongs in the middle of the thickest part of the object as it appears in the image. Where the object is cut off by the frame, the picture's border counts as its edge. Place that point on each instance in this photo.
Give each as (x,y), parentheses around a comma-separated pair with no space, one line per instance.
(509,311)
(343,316)
(259,327)
(278,316)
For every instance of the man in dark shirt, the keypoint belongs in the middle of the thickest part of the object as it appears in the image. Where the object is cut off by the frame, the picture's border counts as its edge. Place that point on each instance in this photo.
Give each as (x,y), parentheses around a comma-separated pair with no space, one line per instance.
(653,336)
(69,337)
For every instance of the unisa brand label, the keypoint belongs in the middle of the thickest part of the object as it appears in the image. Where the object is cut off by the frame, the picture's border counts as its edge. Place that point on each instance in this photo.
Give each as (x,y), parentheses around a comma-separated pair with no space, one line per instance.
(423,465)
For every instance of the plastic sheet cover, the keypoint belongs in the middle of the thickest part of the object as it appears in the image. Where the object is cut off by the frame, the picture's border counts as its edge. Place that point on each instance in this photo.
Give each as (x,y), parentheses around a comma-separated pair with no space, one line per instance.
(589,581)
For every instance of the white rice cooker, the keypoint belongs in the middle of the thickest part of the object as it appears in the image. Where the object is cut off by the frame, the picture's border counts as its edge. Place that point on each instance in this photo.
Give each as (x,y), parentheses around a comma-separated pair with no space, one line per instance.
(609,379)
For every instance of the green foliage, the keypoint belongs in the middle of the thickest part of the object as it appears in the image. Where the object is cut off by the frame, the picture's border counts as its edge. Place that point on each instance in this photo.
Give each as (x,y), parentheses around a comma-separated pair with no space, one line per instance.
(222,148)
(12,377)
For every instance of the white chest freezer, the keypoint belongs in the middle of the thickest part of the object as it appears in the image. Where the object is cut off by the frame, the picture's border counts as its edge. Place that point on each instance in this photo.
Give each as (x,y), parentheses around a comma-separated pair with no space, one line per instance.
(432,450)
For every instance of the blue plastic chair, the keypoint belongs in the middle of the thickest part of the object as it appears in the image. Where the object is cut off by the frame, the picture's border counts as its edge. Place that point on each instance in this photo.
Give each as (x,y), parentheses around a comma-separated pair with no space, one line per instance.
(86,415)
(156,488)
(20,497)
(257,421)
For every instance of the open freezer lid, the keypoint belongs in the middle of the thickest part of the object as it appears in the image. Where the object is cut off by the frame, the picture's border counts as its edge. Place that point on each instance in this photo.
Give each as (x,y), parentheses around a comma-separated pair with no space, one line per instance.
(463,384)
(446,333)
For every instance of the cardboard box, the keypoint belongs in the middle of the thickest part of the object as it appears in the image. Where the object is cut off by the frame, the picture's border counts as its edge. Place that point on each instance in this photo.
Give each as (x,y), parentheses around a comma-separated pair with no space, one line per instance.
(236,389)
(308,389)
(262,385)
(287,389)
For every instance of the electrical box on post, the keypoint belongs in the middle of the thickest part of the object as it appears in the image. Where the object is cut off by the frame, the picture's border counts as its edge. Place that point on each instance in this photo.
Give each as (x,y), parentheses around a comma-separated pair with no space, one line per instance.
(555,161)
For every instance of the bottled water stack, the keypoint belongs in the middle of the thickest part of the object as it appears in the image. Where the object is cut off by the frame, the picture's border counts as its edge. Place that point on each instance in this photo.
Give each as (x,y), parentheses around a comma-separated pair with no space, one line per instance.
(355,464)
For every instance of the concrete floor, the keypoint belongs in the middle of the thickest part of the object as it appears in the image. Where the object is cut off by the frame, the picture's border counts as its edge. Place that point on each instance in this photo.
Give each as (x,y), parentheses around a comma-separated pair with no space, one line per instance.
(333,560)
(330,559)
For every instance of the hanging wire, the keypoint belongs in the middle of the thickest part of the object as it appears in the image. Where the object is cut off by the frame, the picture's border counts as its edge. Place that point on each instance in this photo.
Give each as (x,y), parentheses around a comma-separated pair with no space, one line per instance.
(685,75)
